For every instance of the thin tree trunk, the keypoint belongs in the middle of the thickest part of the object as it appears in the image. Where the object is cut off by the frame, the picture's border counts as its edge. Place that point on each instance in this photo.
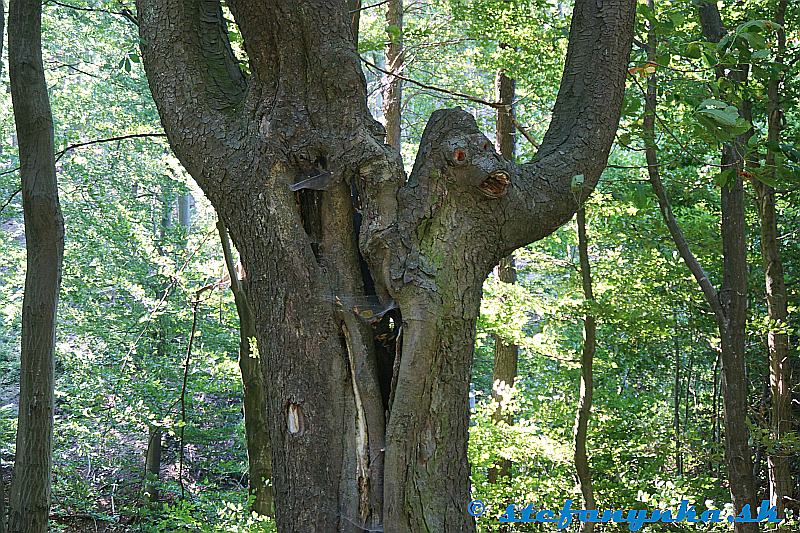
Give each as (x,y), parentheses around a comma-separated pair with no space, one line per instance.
(44,232)
(259,453)
(506,354)
(687,407)
(354,7)
(733,296)
(715,406)
(730,304)
(184,211)
(780,476)
(676,422)
(587,379)
(152,465)
(2,500)
(392,85)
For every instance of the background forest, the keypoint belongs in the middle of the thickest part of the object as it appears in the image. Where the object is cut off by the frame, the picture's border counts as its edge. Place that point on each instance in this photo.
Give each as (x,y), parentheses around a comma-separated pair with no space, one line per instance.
(148,334)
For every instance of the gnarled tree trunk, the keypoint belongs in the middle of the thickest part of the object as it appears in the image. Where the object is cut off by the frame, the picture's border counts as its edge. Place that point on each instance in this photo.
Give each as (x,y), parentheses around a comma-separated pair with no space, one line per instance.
(365,286)
(44,239)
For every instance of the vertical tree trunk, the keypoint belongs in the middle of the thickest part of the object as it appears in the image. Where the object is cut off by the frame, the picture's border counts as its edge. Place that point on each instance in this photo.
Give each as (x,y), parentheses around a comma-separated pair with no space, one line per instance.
(587,380)
(676,417)
(354,7)
(730,304)
(733,296)
(152,465)
(506,354)
(392,85)
(780,477)
(44,232)
(184,211)
(259,453)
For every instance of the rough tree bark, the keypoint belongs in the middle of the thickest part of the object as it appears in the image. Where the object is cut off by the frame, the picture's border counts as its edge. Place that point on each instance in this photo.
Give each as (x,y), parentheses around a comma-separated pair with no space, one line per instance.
(506,353)
(729,305)
(780,476)
(392,85)
(259,454)
(44,231)
(352,269)
(587,379)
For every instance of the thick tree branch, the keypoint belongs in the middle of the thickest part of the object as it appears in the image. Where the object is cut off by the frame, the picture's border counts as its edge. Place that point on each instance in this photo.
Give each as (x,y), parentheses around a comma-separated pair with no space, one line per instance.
(544,195)
(195,79)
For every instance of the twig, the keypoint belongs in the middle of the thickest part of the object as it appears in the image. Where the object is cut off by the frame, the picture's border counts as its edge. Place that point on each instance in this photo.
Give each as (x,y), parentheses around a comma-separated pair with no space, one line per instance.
(10,198)
(369,7)
(195,305)
(61,153)
(524,132)
(125,13)
(475,99)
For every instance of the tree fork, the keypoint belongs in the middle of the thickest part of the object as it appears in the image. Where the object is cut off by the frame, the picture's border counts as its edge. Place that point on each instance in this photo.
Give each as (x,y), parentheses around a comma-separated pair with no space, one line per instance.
(428,241)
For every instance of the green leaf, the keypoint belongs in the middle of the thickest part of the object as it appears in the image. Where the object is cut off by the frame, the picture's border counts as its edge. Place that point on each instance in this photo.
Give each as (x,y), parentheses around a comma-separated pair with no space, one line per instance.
(724,177)
(693,51)
(394,32)
(727,117)
(761,54)
(767,178)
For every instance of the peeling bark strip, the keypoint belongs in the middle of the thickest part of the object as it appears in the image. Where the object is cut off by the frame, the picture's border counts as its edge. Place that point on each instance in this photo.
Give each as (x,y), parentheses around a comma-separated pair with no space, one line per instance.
(425,243)
(44,230)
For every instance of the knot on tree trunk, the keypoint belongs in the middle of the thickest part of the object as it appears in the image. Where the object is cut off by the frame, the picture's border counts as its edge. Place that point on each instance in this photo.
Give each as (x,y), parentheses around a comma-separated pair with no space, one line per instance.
(454,148)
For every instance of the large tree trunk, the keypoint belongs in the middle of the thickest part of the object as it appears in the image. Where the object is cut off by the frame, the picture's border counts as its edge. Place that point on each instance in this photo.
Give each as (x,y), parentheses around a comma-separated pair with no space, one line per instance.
(259,454)
(365,286)
(587,378)
(780,476)
(506,354)
(44,232)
